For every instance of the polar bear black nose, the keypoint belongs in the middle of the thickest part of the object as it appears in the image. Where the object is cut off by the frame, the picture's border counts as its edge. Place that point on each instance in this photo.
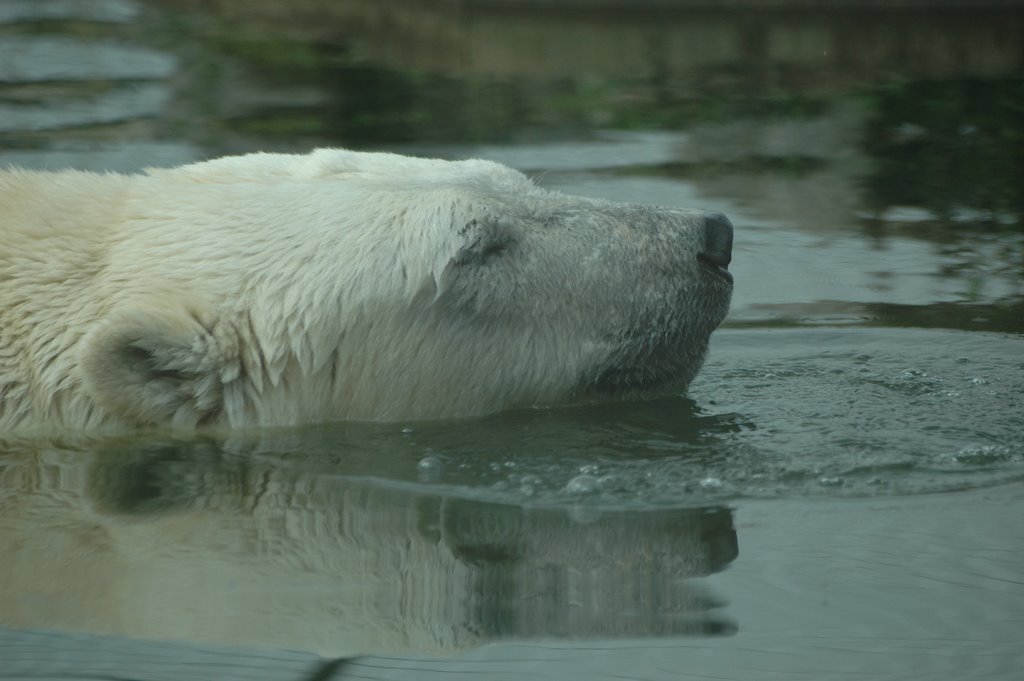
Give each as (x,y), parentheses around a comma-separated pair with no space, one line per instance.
(717,239)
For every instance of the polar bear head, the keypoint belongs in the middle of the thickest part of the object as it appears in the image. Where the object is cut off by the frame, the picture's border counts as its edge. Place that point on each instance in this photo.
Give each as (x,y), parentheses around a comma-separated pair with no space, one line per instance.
(267,289)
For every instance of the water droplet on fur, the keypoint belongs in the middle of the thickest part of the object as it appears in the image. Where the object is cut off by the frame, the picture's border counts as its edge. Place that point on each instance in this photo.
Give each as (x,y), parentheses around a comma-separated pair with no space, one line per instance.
(582,484)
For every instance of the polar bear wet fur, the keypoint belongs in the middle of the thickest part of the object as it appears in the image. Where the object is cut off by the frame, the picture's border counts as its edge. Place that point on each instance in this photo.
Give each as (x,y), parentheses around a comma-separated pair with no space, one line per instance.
(278,289)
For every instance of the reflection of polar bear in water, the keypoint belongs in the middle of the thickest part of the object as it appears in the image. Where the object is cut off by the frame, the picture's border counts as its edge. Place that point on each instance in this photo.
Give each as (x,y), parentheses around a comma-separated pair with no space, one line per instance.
(276,289)
(166,539)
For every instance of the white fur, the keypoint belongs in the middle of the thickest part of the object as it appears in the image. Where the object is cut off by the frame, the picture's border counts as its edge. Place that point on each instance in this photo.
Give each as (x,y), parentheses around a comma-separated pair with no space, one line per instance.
(279,289)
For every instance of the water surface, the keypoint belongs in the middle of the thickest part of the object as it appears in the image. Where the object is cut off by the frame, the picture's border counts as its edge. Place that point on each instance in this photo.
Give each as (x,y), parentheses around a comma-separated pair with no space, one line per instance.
(837,495)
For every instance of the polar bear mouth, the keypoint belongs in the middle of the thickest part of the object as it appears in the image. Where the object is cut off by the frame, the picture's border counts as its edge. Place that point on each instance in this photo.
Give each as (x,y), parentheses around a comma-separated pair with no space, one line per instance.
(620,381)
(646,377)
(716,267)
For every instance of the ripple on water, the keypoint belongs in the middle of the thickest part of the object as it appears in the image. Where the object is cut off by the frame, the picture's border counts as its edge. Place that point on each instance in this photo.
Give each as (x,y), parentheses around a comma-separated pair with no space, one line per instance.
(832,412)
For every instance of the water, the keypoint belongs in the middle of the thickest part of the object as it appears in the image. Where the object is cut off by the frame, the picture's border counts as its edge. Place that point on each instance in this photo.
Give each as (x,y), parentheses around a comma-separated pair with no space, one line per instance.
(838,493)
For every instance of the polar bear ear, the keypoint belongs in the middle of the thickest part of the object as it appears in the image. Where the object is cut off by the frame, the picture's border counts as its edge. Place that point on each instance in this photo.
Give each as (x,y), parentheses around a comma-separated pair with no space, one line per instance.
(482,243)
(156,367)
(483,239)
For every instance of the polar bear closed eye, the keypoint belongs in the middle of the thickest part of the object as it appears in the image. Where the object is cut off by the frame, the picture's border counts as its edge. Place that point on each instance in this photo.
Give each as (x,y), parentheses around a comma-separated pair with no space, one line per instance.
(279,289)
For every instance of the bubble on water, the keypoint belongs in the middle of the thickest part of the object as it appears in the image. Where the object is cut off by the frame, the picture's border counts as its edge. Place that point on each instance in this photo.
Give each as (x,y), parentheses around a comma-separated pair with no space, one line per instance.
(981,455)
(589,469)
(711,482)
(430,468)
(979,381)
(529,484)
(830,481)
(914,382)
(408,431)
(582,484)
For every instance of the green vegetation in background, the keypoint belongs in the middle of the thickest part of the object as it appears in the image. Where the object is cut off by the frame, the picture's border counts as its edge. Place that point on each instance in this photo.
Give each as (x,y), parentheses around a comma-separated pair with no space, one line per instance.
(370,105)
(288,58)
(636,105)
(949,144)
(791,166)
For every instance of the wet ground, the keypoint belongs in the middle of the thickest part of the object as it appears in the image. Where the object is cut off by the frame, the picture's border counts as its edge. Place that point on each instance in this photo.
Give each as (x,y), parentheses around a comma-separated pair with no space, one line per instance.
(837,496)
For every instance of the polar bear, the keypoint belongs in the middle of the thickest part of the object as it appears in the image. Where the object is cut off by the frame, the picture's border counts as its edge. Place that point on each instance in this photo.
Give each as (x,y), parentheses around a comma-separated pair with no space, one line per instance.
(276,289)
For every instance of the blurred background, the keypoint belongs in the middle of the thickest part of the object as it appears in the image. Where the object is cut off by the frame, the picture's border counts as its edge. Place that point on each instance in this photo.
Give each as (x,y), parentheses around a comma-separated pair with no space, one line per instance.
(860,414)
(892,127)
